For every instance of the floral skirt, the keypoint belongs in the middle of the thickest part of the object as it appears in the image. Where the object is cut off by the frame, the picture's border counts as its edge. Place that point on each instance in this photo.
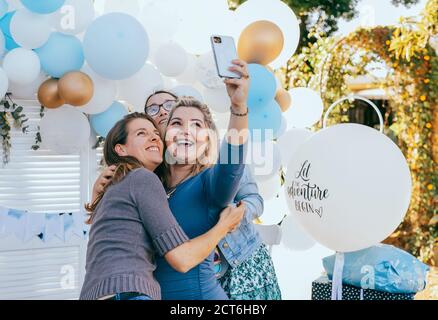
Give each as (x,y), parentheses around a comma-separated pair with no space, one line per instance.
(253,279)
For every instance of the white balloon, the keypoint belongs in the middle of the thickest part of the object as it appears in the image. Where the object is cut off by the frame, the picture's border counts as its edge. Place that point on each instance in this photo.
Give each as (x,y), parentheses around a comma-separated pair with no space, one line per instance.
(306,108)
(171,59)
(269,188)
(206,71)
(275,209)
(199,19)
(290,142)
(64,130)
(349,186)
(130,7)
(136,89)
(277,12)
(22,65)
(294,237)
(73,17)
(221,120)
(161,20)
(188,91)
(4,83)
(27,91)
(217,99)
(264,159)
(189,73)
(30,30)
(104,94)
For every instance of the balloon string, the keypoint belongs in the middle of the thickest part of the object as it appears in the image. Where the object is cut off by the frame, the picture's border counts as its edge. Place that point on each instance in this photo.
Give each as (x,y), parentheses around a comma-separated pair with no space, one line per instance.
(337,276)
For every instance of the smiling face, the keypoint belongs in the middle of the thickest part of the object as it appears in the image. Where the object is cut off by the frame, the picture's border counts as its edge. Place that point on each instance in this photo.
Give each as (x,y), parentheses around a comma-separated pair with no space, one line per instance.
(187,137)
(163,115)
(143,142)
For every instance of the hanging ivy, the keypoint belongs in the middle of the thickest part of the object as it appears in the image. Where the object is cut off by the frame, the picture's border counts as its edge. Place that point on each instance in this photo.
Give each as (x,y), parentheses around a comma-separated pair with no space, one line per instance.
(38,140)
(11,116)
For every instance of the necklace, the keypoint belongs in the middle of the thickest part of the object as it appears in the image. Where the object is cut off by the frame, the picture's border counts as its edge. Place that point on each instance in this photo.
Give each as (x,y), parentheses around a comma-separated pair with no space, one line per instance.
(171,191)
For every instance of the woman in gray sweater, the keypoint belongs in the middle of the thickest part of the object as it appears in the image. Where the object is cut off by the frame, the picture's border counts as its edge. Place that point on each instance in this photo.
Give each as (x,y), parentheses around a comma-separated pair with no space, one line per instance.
(131,220)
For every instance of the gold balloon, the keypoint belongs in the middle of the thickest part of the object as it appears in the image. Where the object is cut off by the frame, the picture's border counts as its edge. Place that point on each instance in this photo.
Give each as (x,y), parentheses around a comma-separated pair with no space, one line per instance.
(283,99)
(76,88)
(48,94)
(261,42)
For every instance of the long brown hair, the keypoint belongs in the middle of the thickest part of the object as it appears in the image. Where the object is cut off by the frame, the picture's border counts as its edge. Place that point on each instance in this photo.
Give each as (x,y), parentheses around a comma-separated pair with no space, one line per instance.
(124,164)
(211,151)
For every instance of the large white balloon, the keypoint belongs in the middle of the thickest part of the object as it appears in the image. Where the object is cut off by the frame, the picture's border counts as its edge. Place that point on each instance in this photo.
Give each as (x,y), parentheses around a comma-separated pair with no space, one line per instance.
(22,65)
(136,89)
(27,91)
(73,17)
(275,209)
(161,20)
(188,91)
(171,59)
(294,237)
(269,188)
(217,99)
(199,19)
(306,108)
(104,94)
(264,159)
(290,141)
(277,12)
(30,30)
(4,83)
(2,44)
(64,130)
(349,186)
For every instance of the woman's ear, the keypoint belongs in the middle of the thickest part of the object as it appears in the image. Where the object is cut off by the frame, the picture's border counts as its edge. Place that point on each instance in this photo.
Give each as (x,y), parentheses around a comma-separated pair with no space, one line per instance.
(120,150)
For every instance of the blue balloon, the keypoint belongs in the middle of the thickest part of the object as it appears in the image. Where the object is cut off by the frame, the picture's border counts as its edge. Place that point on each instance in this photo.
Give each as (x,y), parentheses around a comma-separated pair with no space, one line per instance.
(3,8)
(116,46)
(43,6)
(262,87)
(62,53)
(104,121)
(265,122)
(5,24)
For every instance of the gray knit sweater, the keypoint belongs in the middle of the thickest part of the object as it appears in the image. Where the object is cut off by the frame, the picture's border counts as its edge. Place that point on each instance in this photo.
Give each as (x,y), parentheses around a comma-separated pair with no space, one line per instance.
(132,223)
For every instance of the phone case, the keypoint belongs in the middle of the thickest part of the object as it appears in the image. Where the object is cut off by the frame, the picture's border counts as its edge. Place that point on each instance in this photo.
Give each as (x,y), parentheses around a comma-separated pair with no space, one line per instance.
(224,53)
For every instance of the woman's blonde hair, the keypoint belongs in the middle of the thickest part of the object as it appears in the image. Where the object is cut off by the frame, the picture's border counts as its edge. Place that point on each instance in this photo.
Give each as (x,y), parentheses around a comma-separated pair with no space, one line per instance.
(211,152)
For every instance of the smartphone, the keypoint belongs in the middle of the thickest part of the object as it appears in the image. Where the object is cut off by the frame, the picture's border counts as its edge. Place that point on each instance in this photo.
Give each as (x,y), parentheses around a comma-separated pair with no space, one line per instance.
(224,51)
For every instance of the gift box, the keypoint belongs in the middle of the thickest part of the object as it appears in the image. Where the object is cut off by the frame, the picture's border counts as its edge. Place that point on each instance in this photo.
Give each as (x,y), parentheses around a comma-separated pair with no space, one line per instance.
(322,290)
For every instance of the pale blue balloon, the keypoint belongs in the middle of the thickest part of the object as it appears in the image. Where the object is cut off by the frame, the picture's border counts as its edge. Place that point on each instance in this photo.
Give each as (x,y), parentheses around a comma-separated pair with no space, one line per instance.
(3,8)
(43,6)
(116,46)
(104,121)
(5,23)
(62,53)
(265,121)
(262,87)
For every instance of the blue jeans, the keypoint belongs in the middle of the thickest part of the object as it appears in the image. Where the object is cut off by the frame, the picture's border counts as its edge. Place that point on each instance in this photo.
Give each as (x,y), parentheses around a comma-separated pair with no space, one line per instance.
(130,296)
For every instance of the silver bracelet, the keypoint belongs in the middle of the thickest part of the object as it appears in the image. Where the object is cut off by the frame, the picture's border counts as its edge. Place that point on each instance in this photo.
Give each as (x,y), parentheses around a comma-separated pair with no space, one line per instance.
(239,114)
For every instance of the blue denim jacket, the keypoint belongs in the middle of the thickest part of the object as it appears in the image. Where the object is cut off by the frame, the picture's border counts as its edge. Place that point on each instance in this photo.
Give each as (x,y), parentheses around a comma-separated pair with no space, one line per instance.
(239,245)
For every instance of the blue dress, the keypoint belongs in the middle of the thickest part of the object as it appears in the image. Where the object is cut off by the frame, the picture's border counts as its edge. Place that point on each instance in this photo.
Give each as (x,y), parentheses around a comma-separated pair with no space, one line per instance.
(196,204)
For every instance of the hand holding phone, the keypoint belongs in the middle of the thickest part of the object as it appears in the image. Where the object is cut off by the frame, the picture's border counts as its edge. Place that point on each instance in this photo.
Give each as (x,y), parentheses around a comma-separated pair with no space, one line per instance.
(224,50)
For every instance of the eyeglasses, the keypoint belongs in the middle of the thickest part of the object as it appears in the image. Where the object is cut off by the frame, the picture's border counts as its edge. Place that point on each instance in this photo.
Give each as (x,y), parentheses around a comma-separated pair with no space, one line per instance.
(153,109)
